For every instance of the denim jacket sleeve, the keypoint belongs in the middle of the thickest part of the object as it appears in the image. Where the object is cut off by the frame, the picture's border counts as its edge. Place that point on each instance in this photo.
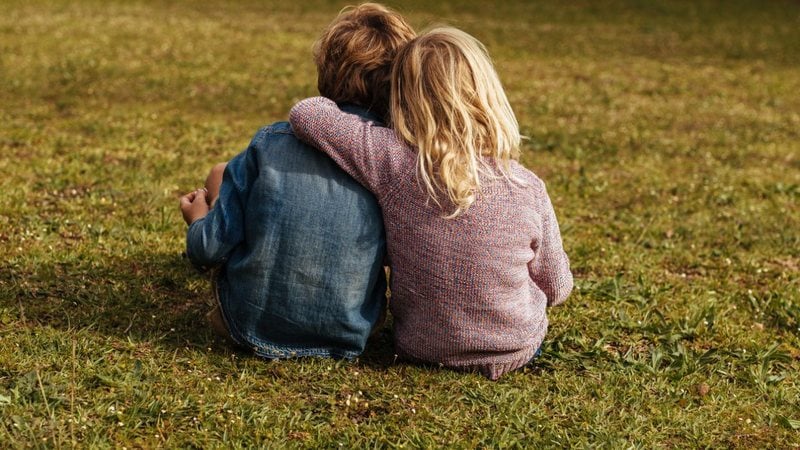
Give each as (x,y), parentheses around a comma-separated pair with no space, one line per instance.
(210,240)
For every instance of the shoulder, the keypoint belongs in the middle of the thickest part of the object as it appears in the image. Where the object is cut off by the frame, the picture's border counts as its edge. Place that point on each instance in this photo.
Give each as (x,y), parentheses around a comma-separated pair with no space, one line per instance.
(278,129)
(277,152)
(276,133)
(529,179)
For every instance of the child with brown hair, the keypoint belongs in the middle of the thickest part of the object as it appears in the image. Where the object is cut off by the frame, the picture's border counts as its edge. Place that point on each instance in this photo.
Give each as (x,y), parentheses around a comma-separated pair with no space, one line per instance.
(297,244)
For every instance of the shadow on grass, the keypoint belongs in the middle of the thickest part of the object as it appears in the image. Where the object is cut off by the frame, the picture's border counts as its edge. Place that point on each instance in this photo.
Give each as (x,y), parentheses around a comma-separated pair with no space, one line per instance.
(150,297)
(141,296)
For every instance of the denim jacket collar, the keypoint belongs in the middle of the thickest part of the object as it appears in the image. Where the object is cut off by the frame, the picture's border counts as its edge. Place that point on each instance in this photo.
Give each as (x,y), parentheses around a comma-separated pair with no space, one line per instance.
(360,111)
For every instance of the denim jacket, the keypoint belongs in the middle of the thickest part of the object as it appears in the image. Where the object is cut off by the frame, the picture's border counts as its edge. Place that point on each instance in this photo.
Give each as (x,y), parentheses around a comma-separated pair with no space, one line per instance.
(299,245)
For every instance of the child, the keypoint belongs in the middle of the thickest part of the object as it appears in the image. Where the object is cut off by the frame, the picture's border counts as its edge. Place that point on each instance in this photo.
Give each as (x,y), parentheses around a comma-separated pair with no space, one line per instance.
(297,244)
(472,237)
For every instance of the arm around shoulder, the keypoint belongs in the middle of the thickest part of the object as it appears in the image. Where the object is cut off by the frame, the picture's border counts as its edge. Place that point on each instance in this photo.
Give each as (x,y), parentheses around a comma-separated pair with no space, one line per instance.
(364,149)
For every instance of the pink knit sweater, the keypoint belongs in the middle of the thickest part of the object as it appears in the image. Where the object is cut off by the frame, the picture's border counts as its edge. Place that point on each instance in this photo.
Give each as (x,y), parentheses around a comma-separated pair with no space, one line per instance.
(469,292)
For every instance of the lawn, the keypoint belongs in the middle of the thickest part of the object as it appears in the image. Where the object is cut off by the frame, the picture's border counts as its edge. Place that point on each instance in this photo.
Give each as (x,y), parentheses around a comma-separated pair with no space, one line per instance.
(669,137)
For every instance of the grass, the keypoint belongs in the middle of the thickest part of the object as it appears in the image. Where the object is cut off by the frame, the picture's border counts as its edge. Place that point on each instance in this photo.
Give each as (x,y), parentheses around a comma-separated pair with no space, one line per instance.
(668,134)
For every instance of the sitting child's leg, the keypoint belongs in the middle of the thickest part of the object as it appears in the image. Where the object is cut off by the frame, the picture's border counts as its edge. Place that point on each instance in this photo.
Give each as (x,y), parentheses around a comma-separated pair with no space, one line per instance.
(213,182)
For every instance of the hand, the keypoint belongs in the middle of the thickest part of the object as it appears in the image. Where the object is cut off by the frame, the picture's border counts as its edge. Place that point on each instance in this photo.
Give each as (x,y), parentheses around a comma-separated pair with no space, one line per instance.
(194,206)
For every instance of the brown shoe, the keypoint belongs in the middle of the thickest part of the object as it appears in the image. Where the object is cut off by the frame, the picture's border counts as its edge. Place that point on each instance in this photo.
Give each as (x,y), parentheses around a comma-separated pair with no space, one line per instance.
(217,324)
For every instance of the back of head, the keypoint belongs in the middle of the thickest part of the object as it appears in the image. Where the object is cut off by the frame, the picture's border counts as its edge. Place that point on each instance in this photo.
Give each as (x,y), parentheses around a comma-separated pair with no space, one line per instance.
(355,53)
(447,101)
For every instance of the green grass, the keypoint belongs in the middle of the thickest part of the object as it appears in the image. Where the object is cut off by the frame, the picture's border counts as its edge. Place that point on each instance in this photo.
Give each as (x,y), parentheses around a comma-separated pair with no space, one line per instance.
(668,134)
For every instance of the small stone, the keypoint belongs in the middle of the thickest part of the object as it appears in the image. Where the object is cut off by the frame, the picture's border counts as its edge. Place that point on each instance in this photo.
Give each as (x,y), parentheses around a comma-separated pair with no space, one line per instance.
(702,389)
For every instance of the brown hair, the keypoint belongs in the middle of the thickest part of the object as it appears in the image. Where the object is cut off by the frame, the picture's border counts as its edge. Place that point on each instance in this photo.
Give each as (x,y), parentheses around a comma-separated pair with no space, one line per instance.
(354,55)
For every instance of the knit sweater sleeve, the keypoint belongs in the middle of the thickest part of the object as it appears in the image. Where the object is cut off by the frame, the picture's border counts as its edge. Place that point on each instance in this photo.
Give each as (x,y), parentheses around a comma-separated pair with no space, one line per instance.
(549,268)
(364,149)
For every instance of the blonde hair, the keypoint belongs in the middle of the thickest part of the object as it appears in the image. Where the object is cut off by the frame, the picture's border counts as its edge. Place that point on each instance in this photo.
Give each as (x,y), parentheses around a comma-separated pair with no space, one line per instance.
(447,101)
(354,55)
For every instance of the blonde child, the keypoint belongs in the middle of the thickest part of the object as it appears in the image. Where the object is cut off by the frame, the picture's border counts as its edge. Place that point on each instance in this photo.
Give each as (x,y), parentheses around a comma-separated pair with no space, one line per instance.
(472,237)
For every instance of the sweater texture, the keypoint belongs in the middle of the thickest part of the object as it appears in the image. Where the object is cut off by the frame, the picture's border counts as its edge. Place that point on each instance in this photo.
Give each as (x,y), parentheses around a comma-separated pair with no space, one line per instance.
(470,292)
